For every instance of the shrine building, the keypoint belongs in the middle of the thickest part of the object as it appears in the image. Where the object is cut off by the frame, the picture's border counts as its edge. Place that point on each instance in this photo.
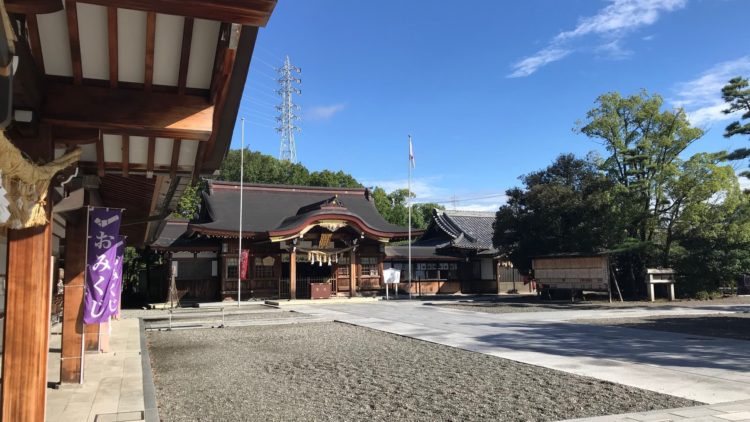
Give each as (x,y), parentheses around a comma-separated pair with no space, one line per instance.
(294,236)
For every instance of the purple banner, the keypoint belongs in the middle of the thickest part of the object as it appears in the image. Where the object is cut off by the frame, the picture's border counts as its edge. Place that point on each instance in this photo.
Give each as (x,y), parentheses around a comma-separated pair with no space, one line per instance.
(114,293)
(101,264)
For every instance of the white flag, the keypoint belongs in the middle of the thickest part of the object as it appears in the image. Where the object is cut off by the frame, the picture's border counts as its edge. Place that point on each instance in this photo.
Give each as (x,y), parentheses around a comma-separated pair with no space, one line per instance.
(411,154)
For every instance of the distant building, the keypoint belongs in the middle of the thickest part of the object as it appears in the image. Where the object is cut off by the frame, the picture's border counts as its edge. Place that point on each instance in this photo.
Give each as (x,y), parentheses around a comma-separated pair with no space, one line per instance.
(293,235)
(455,254)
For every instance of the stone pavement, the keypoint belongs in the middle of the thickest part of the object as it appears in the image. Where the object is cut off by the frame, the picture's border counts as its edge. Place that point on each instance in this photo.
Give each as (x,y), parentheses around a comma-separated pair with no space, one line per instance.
(113,382)
(706,369)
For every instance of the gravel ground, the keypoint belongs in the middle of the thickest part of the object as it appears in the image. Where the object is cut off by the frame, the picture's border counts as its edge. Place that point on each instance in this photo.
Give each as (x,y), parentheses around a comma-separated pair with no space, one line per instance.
(333,371)
(734,326)
(535,304)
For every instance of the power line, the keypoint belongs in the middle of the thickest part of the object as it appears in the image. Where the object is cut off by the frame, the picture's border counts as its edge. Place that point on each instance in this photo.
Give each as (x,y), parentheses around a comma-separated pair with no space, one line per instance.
(453,200)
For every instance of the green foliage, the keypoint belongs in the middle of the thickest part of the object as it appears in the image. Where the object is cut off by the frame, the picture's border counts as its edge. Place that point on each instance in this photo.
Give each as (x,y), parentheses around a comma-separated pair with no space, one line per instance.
(713,238)
(190,202)
(644,201)
(737,95)
(261,168)
(393,207)
(563,208)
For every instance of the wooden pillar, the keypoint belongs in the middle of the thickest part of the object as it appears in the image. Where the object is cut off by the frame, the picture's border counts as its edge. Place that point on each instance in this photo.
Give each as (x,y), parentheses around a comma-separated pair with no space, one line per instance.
(293,274)
(352,273)
(27,324)
(27,309)
(71,364)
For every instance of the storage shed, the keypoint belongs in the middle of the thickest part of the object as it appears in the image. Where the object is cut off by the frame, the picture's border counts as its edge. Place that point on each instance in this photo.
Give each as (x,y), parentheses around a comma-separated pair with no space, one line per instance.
(573,272)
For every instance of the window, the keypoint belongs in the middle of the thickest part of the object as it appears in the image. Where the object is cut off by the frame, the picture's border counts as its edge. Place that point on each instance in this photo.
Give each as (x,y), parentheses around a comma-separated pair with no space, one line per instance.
(232,270)
(369,266)
(342,266)
(263,268)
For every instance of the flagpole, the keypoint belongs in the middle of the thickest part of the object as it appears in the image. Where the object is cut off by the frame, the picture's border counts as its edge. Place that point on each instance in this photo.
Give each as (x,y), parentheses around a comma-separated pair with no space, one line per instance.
(239,245)
(408,203)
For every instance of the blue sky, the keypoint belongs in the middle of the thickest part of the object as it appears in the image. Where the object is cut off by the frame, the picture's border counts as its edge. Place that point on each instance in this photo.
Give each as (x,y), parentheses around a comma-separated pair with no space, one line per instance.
(489,90)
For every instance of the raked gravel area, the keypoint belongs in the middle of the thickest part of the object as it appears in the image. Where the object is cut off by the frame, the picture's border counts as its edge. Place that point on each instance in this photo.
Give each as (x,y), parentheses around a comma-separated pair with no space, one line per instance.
(334,371)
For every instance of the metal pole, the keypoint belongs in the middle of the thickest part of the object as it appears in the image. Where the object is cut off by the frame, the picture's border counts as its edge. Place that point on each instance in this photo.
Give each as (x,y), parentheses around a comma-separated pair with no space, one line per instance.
(239,244)
(408,203)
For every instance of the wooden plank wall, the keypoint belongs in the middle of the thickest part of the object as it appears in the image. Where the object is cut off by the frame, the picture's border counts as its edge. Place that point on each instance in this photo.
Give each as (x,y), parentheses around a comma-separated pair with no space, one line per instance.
(582,273)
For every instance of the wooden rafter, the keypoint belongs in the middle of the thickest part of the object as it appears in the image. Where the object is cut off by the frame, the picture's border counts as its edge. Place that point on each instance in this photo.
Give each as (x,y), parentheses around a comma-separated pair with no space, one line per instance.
(245,12)
(198,161)
(219,74)
(33,7)
(125,154)
(113,49)
(150,41)
(187,38)
(36,43)
(151,155)
(175,157)
(71,11)
(100,155)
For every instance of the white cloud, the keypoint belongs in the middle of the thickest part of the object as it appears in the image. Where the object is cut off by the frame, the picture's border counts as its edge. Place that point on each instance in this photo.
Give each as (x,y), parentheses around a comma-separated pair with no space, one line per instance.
(611,23)
(323,112)
(701,97)
(530,64)
(744,183)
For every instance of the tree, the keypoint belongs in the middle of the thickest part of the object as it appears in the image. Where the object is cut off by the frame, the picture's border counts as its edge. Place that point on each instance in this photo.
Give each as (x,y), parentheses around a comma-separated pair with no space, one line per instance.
(564,208)
(189,204)
(644,145)
(737,94)
(393,207)
(712,238)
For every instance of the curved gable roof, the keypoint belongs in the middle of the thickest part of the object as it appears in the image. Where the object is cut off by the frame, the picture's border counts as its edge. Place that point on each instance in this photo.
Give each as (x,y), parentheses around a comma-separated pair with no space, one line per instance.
(278,208)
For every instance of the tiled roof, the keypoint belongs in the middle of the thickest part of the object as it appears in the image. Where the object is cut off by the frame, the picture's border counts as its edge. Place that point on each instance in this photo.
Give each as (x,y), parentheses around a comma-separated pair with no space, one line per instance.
(465,229)
(268,208)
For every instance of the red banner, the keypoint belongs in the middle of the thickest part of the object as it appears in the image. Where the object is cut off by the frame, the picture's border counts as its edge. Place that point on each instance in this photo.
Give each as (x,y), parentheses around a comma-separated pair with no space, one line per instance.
(244,264)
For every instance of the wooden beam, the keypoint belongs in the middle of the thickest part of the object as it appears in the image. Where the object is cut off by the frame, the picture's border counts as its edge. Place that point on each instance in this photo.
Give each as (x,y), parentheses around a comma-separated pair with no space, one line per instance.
(36,42)
(151,154)
(125,154)
(175,157)
(245,12)
(132,112)
(100,154)
(71,10)
(150,41)
(33,7)
(116,167)
(187,39)
(113,46)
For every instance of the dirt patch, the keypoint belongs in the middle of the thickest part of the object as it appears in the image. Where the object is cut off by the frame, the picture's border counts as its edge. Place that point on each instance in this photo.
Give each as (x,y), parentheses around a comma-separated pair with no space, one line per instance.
(734,326)
(333,371)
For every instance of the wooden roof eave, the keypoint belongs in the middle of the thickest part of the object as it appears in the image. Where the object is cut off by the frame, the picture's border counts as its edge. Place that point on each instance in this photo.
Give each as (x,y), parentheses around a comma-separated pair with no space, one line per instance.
(245,12)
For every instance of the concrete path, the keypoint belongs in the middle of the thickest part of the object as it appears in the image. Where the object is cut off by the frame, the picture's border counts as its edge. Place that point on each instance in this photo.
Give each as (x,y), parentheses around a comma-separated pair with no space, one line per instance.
(705,369)
(113,382)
